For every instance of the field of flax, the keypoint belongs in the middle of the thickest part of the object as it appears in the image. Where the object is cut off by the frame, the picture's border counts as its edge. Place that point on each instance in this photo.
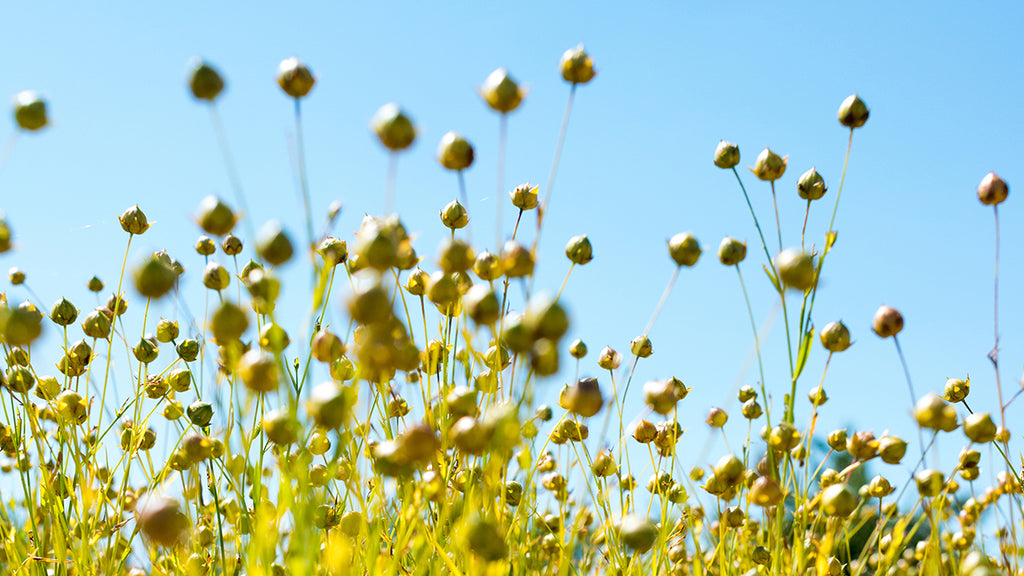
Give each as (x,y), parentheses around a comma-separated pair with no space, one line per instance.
(407,440)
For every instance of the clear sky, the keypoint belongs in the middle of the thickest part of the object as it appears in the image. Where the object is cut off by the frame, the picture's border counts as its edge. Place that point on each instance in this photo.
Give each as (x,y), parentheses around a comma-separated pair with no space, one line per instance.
(942,80)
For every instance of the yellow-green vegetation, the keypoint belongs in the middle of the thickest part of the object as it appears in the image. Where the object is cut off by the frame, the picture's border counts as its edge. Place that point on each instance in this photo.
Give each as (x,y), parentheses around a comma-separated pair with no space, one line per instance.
(407,440)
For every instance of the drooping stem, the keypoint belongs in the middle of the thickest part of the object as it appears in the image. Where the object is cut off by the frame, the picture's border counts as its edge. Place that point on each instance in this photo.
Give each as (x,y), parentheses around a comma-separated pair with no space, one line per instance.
(229,165)
(300,151)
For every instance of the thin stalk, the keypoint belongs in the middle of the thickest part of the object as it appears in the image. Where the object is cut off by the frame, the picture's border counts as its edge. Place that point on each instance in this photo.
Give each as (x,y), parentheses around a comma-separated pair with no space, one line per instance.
(300,151)
(753,215)
(543,208)
(229,165)
(778,225)
(842,180)
(499,197)
(910,386)
(465,203)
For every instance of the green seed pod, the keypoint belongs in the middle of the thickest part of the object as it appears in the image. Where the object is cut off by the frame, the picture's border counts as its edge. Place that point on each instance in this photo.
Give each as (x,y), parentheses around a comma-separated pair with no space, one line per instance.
(295,78)
(30,111)
(117,304)
(578,349)
(393,127)
(228,323)
(333,251)
(166,330)
(545,317)
(853,112)
(72,406)
(751,409)
(20,379)
(216,277)
(731,251)
(146,350)
(980,428)
(264,288)
(817,396)
(487,266)
(273,244)
(604,465)
(417,282)
(18,356)
(783,436)
(645,432)
(47,388)
(279,427)
(863,446)
(835,337)
(577,66)
(161,520)
(330,404)
(727,155)
(134,221)
(188,350)
(839,501)
(63,312)
(343,370)
(179,380)
(660,395)
(455,256)
(232,245)
(469,435)
(524,196)
(462,401)
(641,346)
(274,339)
(20,326)
(931,411)
(578,250)
(637,532)
(258,371)
(482,305)
(891,449)
(993,190)
(516,260)
(95,284)
(929,483)
(837,440)
(796,269)
(684,249)
(154,278)
(811,185)
(609,359)
(956,389)
(205,246)
(97,324)
(200,413)
(887,322)
(501,92)
(204,80)
(327,347)
(454,215)
(455,152)
(16,276)
(765,492)
(442,290)
(729,469)
(879,487)
(769,166)
(582,398)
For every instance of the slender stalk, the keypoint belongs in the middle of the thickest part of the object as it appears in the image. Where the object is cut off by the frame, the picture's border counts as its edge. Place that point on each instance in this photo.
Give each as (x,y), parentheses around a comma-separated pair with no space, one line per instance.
(232,170)
(465,203)
(753,215)
(499,196)
(778,225)
(543,208)
(300,151)
(910,386)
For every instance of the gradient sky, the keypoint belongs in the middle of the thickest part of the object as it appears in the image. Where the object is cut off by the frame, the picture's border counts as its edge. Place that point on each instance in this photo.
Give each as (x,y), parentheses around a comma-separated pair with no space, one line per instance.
(942,80)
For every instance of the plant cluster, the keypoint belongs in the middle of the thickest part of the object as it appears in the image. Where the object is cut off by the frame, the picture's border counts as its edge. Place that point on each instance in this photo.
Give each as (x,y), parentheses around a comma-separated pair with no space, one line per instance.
(405,439)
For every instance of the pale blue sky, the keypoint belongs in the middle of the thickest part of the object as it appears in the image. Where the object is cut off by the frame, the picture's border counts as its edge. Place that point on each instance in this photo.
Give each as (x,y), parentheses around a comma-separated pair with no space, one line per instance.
(942,80)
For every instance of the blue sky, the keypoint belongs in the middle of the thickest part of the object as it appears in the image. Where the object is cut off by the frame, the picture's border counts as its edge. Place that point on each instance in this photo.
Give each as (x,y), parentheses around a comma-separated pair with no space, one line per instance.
(941,79)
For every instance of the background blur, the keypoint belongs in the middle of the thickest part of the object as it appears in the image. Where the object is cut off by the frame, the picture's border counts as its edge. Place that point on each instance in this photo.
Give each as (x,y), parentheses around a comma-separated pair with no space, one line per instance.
(942,81)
